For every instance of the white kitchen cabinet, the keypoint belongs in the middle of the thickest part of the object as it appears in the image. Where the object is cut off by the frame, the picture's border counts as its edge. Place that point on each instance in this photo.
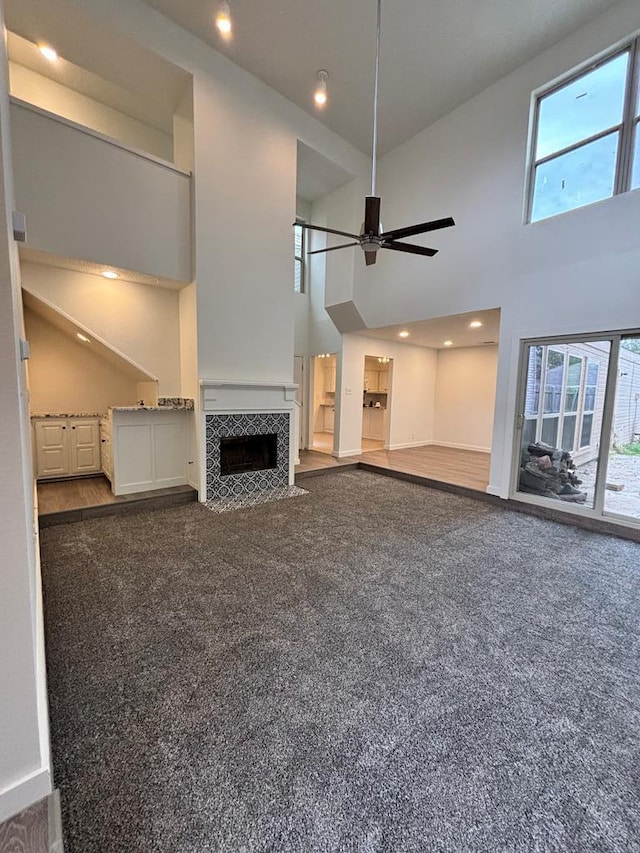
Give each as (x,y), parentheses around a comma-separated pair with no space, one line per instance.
(376,380)
(328,419)
(149,449)
(373,423)
(330,379)
(66,447)
(106,456)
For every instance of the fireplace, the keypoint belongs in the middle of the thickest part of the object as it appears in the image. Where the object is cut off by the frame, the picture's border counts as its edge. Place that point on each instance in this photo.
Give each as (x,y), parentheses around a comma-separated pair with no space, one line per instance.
(250,439)
(243,453)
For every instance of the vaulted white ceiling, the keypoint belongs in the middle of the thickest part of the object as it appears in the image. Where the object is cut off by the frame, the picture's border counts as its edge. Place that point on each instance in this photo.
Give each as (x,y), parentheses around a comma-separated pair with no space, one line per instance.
(435,53)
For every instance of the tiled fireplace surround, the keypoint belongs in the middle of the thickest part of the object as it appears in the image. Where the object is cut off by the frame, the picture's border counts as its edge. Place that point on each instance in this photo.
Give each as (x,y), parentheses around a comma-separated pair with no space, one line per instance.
(247,408)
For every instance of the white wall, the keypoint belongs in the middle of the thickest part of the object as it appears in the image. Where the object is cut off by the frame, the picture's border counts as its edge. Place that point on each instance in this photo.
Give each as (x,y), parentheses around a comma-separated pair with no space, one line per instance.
(68,376)
(573,273)
(137,320)
(32,87)
(411,400)
(189,375)
(465,397)
(25,768)
(87,198)
(245,187)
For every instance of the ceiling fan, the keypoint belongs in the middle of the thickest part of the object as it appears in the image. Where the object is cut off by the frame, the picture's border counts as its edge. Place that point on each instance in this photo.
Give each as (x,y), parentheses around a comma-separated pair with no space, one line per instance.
(370,238)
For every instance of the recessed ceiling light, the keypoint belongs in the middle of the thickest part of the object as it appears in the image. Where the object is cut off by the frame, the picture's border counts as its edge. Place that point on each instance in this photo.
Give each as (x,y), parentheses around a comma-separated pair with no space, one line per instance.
(447,344)
(223,19)
(83,338)
(320,94)
(403,334)
(48,52)
(475,324)
(109,274)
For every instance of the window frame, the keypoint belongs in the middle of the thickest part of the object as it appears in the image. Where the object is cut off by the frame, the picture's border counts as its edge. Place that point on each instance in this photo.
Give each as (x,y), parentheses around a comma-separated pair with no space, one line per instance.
(581,409)
(300,258)
(626,128)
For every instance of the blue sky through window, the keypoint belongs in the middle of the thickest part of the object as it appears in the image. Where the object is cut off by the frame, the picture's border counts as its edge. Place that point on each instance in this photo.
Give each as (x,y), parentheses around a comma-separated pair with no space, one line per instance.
(582,108)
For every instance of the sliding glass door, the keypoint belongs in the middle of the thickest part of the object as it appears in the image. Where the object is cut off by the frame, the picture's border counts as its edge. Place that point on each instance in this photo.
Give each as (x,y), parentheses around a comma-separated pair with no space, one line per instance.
(622,489)
(578,431)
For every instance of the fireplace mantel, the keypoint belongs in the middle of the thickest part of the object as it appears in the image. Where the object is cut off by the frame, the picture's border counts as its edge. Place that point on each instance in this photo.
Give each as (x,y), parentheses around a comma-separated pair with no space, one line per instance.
(223,395)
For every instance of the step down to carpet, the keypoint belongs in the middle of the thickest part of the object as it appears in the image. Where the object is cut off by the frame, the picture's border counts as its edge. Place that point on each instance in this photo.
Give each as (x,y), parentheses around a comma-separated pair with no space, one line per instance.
(137,502)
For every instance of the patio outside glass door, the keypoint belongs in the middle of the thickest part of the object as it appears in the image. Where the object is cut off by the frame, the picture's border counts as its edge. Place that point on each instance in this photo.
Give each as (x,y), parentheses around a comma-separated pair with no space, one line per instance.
(578,433)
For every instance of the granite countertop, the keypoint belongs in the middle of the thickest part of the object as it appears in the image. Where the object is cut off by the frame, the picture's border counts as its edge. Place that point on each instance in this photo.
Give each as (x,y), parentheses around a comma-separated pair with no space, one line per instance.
(150,408)
(36,415)
(165,404)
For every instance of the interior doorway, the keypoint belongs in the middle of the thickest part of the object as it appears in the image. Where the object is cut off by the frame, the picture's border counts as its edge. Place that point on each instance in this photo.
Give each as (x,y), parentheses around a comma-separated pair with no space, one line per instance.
(578,431)
(324,402)
(376,398)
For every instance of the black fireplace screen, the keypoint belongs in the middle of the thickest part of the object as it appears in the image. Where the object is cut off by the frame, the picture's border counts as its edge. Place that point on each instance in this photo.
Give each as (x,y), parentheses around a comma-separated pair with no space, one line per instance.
(248,453)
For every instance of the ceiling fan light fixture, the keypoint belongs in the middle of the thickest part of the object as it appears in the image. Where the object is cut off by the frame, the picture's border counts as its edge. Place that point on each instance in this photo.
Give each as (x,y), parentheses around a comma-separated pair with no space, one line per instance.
(372,236)
(320,93)
(223,19)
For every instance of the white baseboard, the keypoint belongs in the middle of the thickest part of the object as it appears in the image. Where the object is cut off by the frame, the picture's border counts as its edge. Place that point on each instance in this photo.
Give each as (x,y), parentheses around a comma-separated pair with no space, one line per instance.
(24,793)
(407,444)
(494,490)
(473,447)
(344,453)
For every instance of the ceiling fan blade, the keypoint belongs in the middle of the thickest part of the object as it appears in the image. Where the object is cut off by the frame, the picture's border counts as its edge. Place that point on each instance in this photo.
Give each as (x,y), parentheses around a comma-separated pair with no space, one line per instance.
(372,215)
(308,227)
(370,258)
(410,248)
(423,228)
(331,248)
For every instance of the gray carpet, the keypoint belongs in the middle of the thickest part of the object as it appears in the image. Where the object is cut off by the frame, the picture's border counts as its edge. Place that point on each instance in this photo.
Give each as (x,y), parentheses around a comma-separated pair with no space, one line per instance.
(374,666)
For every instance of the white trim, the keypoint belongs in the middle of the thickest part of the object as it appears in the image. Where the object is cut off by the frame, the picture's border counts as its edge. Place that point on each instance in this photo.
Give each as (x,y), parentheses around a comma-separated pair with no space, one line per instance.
(20,795)
(342,454)
(138,152)
(474,447)
(496,491)
(408,444)
(40,655)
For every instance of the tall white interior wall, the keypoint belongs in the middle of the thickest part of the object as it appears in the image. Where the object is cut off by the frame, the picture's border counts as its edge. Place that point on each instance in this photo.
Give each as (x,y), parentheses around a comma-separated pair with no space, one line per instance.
(574,273)
(66,375)
(140,321)
(301,300)
(465,396)
(47,94)
(25,768)
(412,397)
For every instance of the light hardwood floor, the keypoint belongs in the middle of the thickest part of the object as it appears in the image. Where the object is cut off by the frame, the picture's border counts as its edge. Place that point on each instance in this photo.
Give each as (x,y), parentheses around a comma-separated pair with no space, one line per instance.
(74,494)
(466,468)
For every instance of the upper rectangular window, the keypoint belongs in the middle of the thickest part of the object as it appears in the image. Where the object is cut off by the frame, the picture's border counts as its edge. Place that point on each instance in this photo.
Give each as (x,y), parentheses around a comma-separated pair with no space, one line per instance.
(586,145)
(298,262)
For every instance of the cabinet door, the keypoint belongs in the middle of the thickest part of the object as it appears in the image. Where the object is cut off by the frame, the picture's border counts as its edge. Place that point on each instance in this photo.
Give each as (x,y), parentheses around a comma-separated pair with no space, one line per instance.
(52,448)
(329,378)
(84,445)
(377,416)
(383,380)
(366,422)
(329,419)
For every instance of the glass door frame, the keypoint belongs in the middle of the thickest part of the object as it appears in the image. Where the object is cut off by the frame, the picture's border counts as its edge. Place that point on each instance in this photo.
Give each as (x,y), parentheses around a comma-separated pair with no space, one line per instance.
(597,512)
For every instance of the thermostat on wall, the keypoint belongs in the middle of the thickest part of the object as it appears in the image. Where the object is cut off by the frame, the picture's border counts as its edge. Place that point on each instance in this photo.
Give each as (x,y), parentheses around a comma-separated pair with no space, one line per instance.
(19,227)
